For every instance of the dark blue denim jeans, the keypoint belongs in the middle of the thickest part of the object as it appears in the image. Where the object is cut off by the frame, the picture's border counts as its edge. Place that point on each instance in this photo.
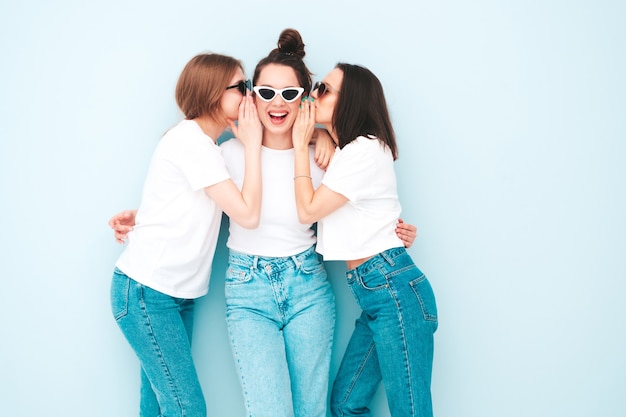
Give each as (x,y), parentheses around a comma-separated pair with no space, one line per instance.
(158,328)
(393,340)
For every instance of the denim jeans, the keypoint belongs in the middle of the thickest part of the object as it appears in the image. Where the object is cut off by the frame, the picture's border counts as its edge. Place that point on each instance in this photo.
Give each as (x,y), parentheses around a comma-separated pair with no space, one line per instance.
(158,328)
(393,339)
(280,314)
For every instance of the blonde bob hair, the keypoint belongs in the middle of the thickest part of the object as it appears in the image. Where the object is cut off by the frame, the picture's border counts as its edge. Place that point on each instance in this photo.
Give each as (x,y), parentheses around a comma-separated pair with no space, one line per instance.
(202,83)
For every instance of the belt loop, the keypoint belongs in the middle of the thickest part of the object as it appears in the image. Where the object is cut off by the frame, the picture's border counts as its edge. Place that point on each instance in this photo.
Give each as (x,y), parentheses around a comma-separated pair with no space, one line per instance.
(255,261)
(388,258)
(295,260)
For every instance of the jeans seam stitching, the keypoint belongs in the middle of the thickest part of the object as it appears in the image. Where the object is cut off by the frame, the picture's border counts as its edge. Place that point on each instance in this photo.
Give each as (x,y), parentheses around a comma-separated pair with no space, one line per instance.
(170,380)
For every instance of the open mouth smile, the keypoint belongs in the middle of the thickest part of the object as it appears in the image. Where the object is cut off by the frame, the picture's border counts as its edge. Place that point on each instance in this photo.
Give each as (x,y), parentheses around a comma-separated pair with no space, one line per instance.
(277,117)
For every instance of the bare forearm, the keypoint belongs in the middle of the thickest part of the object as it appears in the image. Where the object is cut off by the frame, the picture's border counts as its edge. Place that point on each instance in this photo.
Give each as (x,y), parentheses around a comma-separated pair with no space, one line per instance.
(303,184)
(251,190)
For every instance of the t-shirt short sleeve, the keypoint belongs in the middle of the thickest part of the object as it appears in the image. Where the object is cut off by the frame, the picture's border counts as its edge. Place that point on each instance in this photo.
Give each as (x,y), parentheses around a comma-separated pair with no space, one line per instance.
(350,172)
(202,165)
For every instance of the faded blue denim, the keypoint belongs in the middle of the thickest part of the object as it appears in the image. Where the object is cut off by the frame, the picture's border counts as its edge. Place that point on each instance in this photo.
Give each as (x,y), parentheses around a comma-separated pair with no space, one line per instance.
(393,339)
(280,314)
(158,328)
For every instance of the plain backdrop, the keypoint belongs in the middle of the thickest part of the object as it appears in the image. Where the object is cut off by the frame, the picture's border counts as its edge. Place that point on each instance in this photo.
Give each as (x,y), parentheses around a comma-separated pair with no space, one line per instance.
(510,118)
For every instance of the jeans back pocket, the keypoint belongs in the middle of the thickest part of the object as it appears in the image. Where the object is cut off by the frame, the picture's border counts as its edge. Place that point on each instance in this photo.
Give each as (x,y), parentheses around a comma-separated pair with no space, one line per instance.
(120,287)
(426,298)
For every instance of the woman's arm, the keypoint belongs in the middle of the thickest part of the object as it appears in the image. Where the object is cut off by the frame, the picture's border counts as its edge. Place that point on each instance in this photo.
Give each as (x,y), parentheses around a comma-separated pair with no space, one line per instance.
(244,207)
(312,204)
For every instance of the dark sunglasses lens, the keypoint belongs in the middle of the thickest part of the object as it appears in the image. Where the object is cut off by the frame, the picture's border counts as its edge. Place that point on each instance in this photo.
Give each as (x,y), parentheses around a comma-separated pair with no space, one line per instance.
(290,95)
(242,87)
(321,89)
(266,93)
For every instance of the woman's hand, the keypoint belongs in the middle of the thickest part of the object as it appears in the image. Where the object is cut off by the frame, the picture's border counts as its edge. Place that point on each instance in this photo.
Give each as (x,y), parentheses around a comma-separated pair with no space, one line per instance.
(122,223)
(406,232)
(324,147)
(248,129)
(304,125)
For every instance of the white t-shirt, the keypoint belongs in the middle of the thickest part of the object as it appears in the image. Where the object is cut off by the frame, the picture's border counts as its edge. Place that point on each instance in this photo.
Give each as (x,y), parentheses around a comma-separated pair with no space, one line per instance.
(279,233)
(363,172)
(173,242)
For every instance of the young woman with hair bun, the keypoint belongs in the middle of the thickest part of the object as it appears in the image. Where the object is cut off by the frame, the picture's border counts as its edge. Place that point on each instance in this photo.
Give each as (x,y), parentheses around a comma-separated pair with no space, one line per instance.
(280,307)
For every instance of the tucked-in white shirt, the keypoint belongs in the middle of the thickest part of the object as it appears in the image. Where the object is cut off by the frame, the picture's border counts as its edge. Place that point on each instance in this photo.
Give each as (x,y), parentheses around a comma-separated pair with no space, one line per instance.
(363,172)
(173,242)
(279,233)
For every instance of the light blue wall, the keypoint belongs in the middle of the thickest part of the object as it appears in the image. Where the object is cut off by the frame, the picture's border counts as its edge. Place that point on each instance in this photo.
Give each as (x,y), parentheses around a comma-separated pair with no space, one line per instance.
(511,121)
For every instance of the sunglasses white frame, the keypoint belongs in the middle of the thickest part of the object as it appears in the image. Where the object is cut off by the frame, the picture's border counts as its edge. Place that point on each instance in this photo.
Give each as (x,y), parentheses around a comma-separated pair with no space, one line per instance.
(276,92)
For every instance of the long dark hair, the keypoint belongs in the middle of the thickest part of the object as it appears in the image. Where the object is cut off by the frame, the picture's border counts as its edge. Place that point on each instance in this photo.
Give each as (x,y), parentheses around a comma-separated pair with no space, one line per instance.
(290,53)
(361,108)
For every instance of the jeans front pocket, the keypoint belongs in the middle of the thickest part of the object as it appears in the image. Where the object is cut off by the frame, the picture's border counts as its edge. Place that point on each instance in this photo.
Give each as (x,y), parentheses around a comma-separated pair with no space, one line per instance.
(237,274)
(120,287)
(374,280)
(312,265)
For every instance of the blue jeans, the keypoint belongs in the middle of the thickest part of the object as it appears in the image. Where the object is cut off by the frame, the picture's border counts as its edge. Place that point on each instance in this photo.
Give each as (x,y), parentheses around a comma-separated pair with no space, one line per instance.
(158,328)
(392,339)
(280,314)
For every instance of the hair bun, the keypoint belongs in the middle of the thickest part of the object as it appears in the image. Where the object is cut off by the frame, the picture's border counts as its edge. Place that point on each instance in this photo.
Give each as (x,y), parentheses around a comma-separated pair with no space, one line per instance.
(290,43)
